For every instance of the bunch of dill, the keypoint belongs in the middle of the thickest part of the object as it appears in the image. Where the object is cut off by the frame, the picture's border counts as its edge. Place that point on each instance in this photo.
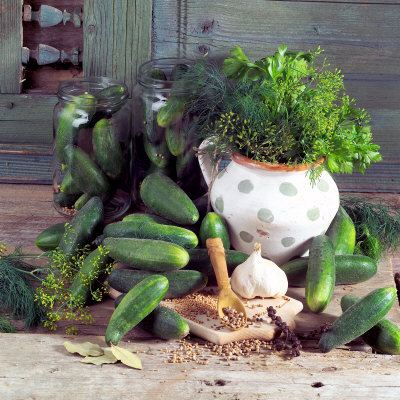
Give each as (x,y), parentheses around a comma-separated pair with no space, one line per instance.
(17,292)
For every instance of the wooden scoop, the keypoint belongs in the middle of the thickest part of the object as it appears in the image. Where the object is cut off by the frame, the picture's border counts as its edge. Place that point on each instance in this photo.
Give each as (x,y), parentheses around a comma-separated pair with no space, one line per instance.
(226,298)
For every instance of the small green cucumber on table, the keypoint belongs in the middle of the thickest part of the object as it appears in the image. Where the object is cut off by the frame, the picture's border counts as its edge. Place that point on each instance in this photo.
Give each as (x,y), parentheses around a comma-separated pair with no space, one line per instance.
(162,322)
(181,282)
(383,337)
(151,230)
(342,233)
(50,238)
(359,318)
(164,197)
(137,304)
(320,276)
(147,254)
(90,276)
(84,227)
(213,226)
(349,269)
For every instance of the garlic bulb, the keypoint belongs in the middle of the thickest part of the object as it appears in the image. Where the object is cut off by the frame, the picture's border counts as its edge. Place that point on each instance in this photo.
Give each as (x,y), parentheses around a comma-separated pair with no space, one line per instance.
(258,277)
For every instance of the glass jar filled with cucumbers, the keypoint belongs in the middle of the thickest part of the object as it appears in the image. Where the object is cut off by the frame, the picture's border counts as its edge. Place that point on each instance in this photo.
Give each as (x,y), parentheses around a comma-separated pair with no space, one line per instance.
(92,145)
(165,136)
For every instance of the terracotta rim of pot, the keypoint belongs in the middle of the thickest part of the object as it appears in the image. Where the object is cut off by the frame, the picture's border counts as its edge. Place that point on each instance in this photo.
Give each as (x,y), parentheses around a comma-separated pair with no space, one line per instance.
(248,162)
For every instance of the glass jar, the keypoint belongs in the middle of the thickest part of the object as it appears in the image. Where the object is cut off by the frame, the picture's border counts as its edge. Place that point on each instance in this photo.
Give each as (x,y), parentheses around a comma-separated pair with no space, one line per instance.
(92,145)
(164,136)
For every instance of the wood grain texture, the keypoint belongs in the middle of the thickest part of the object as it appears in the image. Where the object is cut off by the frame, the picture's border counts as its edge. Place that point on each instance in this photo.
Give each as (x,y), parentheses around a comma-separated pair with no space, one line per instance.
(117,38)
(26,119)
(10,46)
(358,38)
(35,365)
(38,367)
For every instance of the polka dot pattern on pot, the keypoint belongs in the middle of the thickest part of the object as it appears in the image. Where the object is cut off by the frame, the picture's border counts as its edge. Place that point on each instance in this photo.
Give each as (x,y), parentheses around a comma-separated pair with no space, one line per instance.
(313,214)
(288,189)
(245,186)
(288,241)
(246,236)
(265,215)
(219,204)
(323,186)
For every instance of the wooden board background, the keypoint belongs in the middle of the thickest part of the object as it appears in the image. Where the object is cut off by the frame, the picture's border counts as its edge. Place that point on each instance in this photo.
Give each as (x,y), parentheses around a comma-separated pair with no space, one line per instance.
(361,37)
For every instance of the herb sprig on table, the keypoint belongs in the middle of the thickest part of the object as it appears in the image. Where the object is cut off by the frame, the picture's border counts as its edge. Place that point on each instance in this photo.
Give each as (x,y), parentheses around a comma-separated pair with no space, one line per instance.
(281,109)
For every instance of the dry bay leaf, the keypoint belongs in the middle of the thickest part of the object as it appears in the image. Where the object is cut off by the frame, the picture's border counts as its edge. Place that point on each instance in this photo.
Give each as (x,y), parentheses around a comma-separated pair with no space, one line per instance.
(107,358)
(84,349)
(126,357)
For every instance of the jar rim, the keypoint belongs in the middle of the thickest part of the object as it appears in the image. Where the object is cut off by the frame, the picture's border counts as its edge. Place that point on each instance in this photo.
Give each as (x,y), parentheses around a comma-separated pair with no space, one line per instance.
(166,63)
(69,89)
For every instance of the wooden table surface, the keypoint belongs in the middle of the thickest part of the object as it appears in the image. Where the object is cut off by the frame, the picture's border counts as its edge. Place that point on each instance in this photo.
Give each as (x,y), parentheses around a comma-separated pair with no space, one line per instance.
(35,365)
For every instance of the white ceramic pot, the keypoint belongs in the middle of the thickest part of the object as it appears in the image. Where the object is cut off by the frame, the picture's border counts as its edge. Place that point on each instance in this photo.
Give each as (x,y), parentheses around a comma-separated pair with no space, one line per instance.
(274,205)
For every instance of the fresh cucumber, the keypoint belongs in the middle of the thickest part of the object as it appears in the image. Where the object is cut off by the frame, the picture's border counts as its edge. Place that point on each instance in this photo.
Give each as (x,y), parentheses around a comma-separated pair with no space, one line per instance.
(342,233)
(175,139)
(162,322)
(85,172)
(68,185)
(107,149)
(320,276)
(349,269)
(110,91)
(181,282)
(84,227)
(384,336)
(164,197)
(143,217)
(199,260)
(213,226)
(50,238)
(359,318)
(67,130)
(147,254)
(165,324)
(172,111)
(152,230)
(158,153)
(82,200)
(135,306)
(157,73)
(90,275)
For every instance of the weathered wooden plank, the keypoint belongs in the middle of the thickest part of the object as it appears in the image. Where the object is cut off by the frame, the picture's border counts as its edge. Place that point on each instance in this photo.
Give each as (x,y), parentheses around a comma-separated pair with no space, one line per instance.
(10,46)
(26,164)
(357,38)
(117,38)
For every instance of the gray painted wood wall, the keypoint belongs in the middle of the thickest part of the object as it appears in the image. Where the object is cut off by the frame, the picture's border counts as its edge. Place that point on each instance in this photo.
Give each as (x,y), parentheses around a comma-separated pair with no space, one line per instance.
(360,37)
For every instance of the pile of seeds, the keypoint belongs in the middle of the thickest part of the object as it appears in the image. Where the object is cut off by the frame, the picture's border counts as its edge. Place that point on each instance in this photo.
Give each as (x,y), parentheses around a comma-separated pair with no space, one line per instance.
(233,318)
(204,303)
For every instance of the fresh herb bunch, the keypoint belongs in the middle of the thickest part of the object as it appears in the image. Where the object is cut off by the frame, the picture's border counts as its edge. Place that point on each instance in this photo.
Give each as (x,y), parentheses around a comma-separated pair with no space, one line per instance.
(281,109)
(54,294)
(17,292)
(377,225)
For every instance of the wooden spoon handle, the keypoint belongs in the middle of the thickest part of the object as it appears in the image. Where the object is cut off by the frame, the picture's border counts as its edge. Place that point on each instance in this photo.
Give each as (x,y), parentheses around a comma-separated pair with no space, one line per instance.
(216,252)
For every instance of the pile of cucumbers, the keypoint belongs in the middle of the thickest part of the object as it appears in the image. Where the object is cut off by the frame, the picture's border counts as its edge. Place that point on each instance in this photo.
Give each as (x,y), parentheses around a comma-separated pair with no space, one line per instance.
(97,170)
(166,259)
(331,262)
